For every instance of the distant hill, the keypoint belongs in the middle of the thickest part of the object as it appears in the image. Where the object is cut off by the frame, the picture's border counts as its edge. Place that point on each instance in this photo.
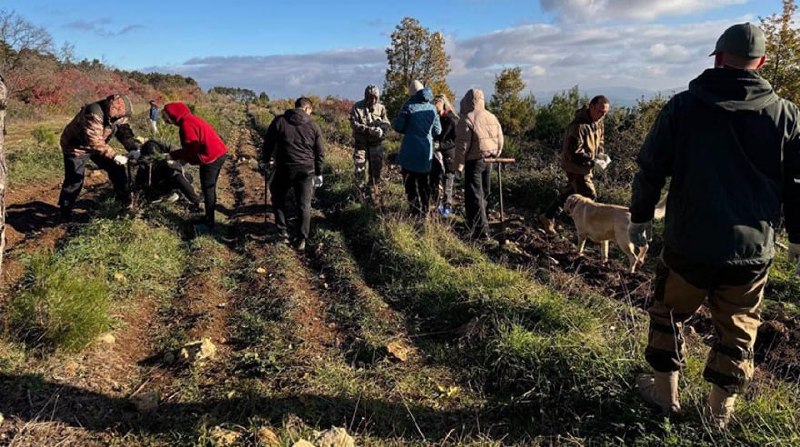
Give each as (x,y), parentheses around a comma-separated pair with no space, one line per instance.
(619,96)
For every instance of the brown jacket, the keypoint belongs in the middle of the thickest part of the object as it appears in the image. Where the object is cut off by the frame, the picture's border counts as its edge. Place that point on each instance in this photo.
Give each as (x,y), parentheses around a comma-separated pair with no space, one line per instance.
(583,141)
(478,133)
(94,126)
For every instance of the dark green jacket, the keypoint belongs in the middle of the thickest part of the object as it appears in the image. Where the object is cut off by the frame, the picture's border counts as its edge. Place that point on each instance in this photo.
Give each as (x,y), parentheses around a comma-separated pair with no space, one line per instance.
(732,149)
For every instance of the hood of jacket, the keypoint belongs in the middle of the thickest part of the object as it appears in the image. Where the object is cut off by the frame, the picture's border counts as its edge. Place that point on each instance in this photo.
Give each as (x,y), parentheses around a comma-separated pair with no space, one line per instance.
(296,117)
(733,89)
(177,111)
(422,96)
(372,91)
(472,101)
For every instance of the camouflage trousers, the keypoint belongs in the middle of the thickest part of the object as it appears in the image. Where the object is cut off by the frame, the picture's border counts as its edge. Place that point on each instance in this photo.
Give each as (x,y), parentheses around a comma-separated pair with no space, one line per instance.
(734,295)
(368,163)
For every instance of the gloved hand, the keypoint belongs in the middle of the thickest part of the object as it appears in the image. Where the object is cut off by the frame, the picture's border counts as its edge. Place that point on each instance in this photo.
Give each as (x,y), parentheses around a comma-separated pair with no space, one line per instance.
(640,233)
(174,164)
(140,140)
(135,154)
(376,132)
(460,168)
(794,256)
(317,181)
(603,161)
(121,160)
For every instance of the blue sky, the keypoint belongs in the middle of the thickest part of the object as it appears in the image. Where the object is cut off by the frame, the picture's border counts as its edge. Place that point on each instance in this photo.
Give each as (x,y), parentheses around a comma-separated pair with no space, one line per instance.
(336,47)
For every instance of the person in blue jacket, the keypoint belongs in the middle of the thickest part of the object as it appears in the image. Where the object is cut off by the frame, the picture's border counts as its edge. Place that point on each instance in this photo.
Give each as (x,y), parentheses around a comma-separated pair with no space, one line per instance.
(419,122)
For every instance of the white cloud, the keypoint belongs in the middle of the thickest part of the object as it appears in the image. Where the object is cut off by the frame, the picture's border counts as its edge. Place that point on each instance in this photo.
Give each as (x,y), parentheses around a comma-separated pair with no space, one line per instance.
(553,57)
(600,10)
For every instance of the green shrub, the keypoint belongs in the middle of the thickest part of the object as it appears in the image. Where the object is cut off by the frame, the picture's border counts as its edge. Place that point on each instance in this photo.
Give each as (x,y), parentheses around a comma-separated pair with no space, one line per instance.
(61,307)
(44,136)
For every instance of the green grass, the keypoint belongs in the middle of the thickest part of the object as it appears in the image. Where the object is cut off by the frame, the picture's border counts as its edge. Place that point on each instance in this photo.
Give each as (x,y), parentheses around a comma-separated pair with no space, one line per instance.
(571,360)
(64,300)
(60,307)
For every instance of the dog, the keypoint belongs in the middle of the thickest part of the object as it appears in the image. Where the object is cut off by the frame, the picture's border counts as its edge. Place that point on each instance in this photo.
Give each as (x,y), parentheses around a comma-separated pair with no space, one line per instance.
(601,223)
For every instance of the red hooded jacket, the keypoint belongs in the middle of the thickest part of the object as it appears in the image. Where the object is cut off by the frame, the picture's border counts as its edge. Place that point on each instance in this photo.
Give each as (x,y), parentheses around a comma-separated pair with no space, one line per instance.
(199,141)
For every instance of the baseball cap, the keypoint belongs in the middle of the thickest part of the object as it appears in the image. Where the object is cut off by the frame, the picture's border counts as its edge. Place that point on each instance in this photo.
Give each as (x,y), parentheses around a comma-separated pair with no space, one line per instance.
(743,39)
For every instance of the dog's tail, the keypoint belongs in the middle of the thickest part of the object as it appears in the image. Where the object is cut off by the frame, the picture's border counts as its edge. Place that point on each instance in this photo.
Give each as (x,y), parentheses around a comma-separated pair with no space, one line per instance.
(661,208)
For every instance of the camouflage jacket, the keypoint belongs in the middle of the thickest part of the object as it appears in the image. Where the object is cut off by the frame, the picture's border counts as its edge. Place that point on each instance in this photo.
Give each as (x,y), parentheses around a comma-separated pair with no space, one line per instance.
(92,129)
(363,118)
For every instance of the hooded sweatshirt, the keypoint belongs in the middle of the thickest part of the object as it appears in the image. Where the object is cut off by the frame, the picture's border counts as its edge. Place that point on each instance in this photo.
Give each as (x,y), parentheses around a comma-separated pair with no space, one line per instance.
(418,121)
(583,141)
(94,126)
(732,149)
(478,133)
(200,143)
(295,140)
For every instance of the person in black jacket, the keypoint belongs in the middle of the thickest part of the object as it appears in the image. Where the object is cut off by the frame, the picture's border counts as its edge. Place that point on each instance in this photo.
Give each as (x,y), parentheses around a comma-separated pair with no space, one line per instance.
(444,164)
(295,140)
(732,149)
(158,177)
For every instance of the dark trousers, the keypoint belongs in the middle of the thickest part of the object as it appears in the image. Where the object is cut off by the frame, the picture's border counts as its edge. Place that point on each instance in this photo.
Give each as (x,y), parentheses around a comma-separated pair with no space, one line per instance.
(476,185)
(418,192)
(208,183)
(442,171)
(576,184)
(301,182)
(183,182)
(74,170)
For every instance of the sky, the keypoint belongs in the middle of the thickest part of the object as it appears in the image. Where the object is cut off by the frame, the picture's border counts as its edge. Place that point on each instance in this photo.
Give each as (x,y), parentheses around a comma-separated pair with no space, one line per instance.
(324,47)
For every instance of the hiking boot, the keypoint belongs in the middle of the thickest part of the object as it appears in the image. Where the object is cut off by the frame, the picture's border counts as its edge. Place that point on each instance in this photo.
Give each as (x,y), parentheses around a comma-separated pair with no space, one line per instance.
(283,237)
(301,245)
(720,407)
(661,389)
(548,224)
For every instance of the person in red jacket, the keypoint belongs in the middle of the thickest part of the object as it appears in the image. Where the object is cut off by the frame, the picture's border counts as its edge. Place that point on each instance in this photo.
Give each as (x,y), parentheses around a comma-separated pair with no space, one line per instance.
(201,145)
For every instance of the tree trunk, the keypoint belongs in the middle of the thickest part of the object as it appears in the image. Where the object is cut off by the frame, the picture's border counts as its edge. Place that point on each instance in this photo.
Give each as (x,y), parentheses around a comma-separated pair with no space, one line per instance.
(3,173)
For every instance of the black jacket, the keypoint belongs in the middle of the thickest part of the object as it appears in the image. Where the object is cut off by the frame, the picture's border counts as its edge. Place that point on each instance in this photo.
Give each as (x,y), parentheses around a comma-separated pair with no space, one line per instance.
(732,149)
(296,142)
(447,138)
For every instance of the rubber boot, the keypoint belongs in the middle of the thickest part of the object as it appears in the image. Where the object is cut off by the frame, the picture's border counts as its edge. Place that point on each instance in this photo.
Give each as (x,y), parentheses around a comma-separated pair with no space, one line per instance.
(661,390)
(720,406)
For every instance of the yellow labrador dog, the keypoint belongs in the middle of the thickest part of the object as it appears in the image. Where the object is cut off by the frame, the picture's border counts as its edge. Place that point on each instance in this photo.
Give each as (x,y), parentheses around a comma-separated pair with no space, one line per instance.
(602,223)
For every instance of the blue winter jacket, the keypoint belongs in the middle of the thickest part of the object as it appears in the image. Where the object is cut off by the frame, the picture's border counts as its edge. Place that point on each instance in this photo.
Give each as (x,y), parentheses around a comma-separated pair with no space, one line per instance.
(419,122)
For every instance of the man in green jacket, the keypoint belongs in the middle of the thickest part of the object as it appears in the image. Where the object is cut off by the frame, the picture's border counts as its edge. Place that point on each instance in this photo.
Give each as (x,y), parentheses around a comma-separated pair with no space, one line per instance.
(732,149)
(583,144)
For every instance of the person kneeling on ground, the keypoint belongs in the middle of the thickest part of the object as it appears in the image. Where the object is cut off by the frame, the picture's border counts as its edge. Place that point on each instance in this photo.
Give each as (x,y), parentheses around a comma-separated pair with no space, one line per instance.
(295,140)
(200,144)
(158,178)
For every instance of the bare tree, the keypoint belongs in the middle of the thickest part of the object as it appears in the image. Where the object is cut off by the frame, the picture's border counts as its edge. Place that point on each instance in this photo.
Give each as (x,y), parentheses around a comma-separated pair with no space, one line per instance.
(20,39)
(3,172)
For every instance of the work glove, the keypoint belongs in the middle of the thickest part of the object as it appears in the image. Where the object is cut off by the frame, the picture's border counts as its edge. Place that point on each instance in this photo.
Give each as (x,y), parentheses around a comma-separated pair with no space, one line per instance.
(317,181)
(603,161)
(174,164)
(121,160)
(794,255)
(140,140)
(134,154)
(640,233)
